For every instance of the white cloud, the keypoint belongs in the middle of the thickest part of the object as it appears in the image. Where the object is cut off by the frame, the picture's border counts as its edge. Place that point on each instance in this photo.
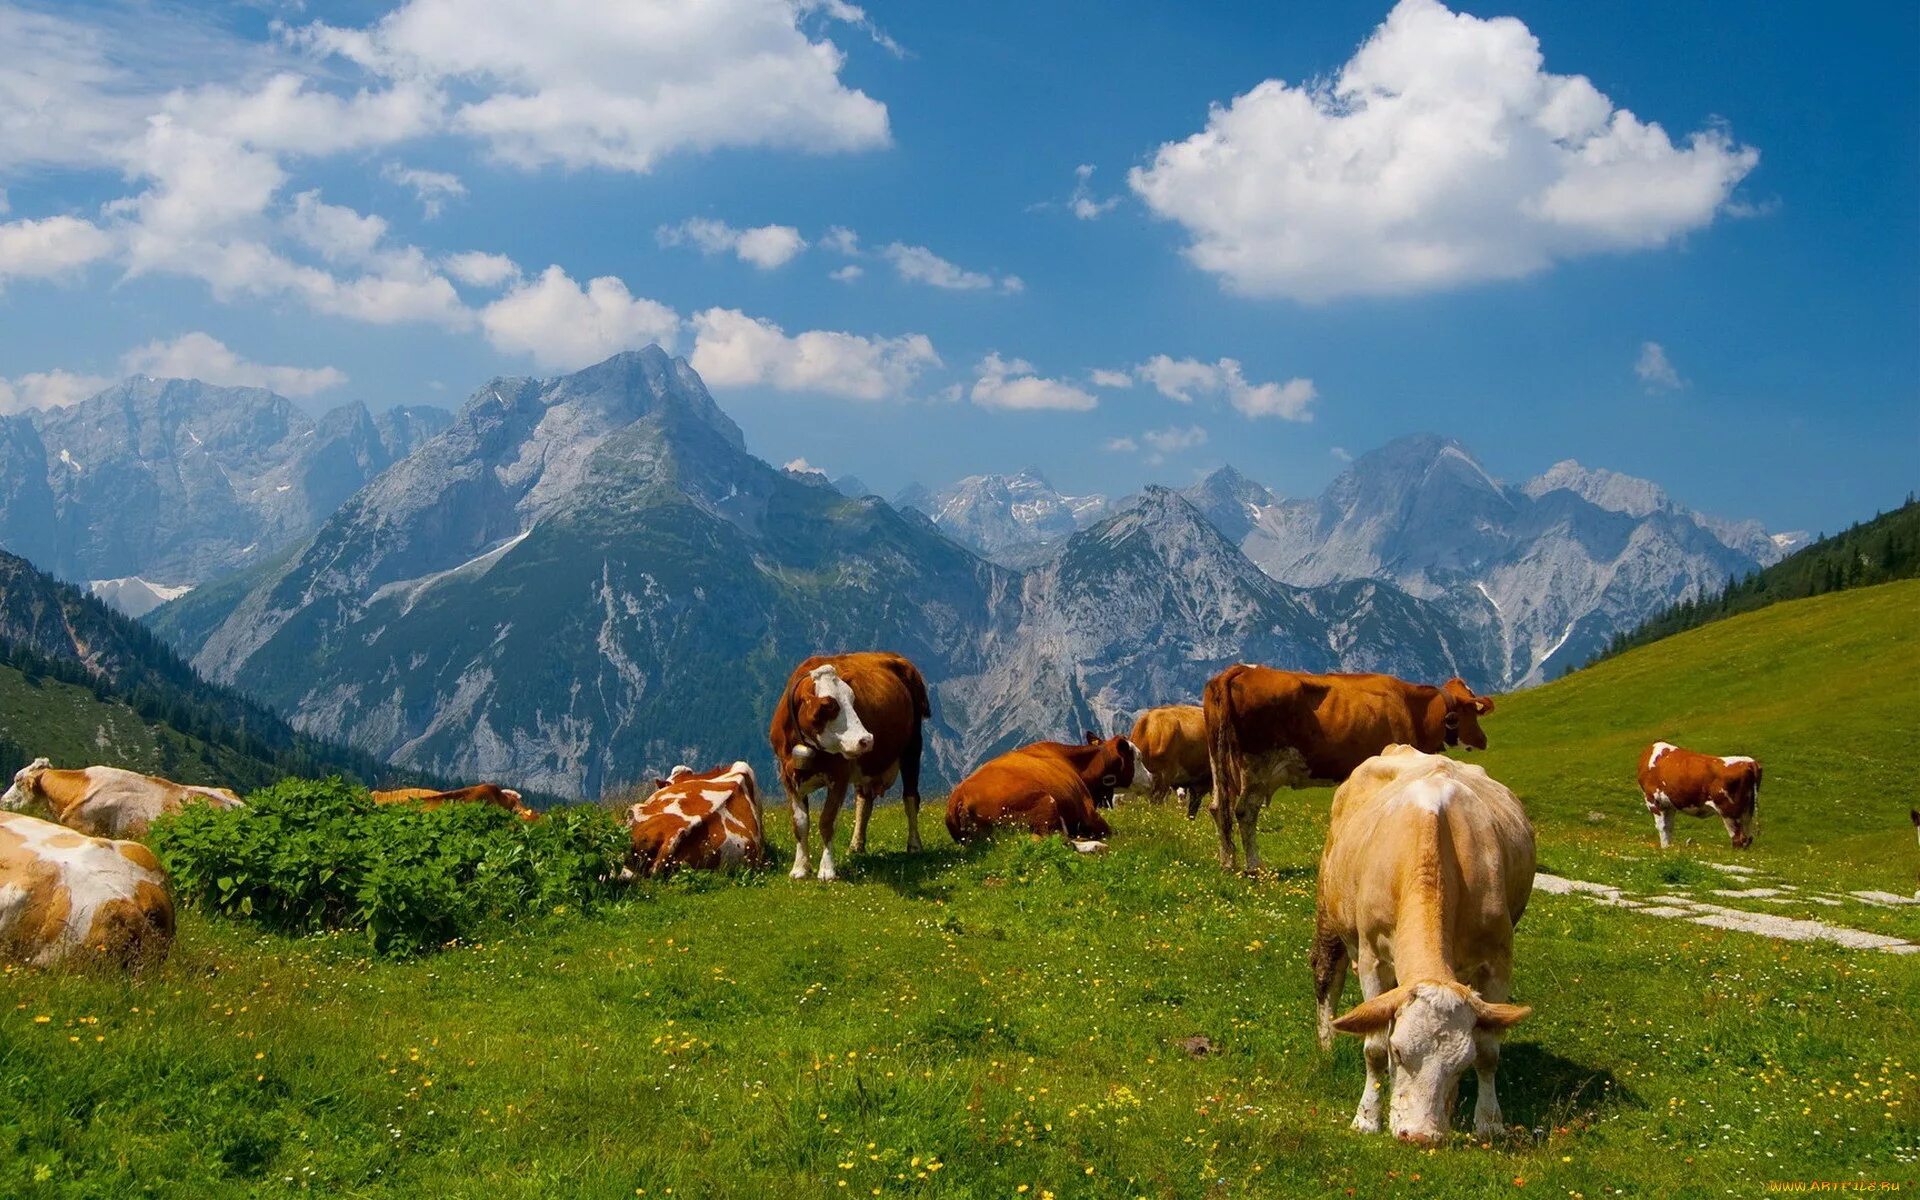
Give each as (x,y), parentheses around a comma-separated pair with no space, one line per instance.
(764,246)
(801,466)
(841,240)
(732,349)
(1110,379)
(1175,438)
(917,264)
(203,357)
(47,389)
(49,246)
(1012,384)
(1443,154)
(846,274)
(1184,379)
(1122,445)
(1340,454)
(477,268)
(1082,203)
(583,84)
(336,233)
(1655,370)
(431,188)
(561,325)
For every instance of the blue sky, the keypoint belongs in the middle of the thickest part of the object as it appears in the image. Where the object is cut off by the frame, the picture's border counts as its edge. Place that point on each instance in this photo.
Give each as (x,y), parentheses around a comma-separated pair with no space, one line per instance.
(1306,229)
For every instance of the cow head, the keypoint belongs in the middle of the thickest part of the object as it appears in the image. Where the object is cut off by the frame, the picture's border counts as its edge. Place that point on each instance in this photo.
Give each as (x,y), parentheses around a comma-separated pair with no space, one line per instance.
(26,785)
(1464,710)
(1737,801)
(1111,768)
(1431,1032)
(824,709)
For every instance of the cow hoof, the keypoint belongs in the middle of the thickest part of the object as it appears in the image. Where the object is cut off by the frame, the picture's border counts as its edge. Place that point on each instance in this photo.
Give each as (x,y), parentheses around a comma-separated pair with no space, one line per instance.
(798,872)
(1090,847)
(1366,1122)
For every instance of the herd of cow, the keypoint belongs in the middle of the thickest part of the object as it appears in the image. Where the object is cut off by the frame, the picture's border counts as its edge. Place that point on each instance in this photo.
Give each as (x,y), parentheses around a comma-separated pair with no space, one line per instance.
(1428,863)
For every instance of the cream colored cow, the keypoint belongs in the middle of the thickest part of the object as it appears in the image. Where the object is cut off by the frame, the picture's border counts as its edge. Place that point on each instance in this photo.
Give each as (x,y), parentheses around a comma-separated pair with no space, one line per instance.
(105,801)
(1427,867)
(66,898)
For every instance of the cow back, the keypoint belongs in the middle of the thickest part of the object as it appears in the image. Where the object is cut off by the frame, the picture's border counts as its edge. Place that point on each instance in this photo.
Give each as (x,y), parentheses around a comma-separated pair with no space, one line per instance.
(709,821)
(67,898)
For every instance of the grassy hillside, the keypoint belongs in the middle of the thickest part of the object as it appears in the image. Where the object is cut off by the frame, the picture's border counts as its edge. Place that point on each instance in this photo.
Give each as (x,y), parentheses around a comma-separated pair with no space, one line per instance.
(1021,1022)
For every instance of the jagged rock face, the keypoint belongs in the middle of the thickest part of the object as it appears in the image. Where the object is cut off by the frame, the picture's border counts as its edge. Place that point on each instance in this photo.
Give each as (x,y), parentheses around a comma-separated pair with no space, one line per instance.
(176,481)
(1543,574)
(1013,519)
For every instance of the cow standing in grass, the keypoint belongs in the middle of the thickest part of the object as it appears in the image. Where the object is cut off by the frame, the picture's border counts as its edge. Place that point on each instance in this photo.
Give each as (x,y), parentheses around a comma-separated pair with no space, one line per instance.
(1172,744)
(704,821)
(849,720)
(1268,729)
(1044,788)
(1673,780)
(70,899)
(1428,866)
(106,801)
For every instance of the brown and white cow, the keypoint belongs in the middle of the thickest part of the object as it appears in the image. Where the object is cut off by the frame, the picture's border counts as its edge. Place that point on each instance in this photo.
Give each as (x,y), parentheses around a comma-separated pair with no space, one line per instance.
(849,720)
(1428,866)
(70,899)
(479,793)
(105,801)
(1674,779)
(704,821)
(1172,744)
(1269,729)
(1044,788)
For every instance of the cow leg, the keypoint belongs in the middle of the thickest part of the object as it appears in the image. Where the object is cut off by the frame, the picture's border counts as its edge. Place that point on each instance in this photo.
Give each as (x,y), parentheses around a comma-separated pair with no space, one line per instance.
(910,789)
(1487,1120)
(1663,824)
(1329,958)
(1247,812)
(1223,820)
(797,808)
(829,813)
(1374,979)
(862,813)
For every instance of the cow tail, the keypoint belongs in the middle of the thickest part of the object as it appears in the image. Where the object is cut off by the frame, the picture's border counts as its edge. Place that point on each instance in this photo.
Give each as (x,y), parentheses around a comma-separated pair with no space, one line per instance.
(1224,755)
(916,688)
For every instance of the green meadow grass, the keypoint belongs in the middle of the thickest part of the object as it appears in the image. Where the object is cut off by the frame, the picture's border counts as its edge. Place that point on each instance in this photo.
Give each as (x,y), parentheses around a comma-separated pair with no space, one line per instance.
(1020,1021)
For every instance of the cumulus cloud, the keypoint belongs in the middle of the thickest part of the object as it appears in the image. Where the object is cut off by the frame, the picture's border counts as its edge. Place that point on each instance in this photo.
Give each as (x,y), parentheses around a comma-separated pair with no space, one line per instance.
(1122,445)
(47,389)
(1175,438)
(431,188)
(763,246)
(1442,154)
(1184,379)
(562,325)
(582,84)
(204,357)
(50,246)
(477,268)
(1082,203)
(732,349)
(1012,383)
(1110,379)
(1656,370)
(800,466)
(846,274)
(917,264)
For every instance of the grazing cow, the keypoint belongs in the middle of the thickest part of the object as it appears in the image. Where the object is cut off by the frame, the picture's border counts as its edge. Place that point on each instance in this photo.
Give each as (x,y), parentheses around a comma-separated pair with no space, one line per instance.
(1268,729)
(708,821)
(70,899)
(1172,742)
(106,801)
(1044,788)
(479,793)
(1427,868)
(849,720)
(1673,779)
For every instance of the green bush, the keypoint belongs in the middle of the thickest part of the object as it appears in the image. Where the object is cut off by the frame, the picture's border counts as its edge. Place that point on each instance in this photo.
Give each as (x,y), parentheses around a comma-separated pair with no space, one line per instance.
(310,855)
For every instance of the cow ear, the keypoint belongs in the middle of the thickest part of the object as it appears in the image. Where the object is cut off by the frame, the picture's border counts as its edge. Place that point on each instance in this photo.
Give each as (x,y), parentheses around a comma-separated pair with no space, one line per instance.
(1093,739)
(1372,1016)
(1489,1015)
(1483,705)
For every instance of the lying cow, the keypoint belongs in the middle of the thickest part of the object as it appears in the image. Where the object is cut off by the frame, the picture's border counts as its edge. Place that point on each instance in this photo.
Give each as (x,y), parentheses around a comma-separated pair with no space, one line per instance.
(706,821)
(849,720)
(1673,779)
(106,801)
(70,899)
(1268,729)
(1043,788)
(1427,868)
(1172,744)
(479,793)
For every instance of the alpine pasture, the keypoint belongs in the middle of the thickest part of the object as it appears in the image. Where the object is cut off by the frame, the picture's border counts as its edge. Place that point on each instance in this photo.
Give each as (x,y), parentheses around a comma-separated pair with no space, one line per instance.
(1024,1021)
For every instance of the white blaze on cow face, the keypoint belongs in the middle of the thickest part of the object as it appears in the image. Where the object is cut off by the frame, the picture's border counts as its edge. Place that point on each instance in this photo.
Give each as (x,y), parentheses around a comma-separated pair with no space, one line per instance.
(842,732)
(21,793)
(1432,1047)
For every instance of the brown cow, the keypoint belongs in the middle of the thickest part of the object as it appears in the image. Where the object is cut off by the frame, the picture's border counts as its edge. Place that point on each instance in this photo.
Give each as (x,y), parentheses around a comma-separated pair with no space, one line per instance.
(1269,729)
(106,801)
(1172,742)
(480,793)
(705,821)
(849,720)
(1428,866)
(1700,785)
(1044,788)
(67,898)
